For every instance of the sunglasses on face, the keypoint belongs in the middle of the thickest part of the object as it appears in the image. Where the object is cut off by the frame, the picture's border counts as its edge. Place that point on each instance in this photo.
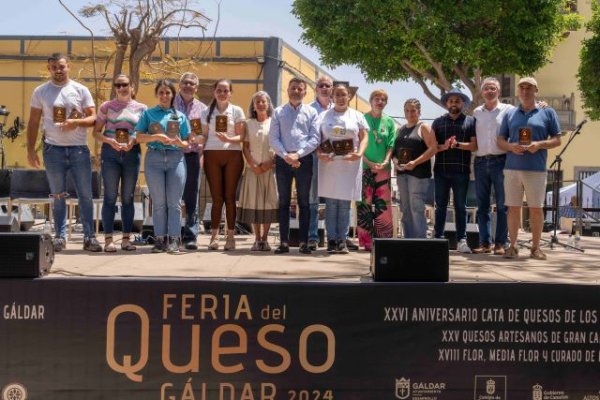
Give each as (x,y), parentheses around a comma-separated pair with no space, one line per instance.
(121,85)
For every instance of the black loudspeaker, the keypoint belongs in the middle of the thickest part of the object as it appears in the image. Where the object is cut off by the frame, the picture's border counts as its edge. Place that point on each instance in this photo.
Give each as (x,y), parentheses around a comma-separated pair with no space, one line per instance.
(25,255)
(472,235)
(410,260)
(9,223)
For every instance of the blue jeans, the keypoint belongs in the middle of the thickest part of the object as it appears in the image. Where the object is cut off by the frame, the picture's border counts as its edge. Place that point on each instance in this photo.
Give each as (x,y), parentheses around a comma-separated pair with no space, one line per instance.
(165,175)
(284,175)
(59,161)
(119,167)
(459,183)
(337,218)
(488,174)
(412,193)
(190,197)
(313,201)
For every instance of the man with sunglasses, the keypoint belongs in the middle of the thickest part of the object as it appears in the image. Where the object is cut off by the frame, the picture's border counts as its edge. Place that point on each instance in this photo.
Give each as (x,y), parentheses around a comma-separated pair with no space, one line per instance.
(67,109)
(192,108)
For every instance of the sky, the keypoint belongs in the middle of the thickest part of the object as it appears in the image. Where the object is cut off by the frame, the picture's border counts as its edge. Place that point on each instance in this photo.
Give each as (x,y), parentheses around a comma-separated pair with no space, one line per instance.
(238,18)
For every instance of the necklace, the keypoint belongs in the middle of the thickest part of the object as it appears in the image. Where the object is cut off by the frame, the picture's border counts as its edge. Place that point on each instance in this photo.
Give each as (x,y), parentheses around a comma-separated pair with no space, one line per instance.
(375,129)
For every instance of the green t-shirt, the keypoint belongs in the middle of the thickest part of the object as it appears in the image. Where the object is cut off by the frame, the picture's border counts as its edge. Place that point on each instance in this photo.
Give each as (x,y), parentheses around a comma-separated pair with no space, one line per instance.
(382,135)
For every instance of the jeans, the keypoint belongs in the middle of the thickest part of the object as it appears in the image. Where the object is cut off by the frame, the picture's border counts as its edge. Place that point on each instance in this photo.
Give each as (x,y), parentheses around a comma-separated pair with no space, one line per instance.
(284,174)
(412,193)
(119,167)
(488,174)
(459,183)
(313,203)
(190,197)
(59,161)
(165,175)
(337,218)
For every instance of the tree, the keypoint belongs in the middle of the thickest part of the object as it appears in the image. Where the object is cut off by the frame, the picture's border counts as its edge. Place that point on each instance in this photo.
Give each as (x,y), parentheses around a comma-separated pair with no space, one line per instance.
(139,25)
(436,42)
(587,75)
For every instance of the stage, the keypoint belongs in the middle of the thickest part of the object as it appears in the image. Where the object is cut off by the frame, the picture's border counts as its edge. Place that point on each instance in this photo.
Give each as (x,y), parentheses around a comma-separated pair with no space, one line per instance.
(243,325)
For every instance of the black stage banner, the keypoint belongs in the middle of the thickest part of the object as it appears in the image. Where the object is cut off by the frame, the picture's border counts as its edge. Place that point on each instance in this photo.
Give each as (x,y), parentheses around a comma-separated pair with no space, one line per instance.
(182,339)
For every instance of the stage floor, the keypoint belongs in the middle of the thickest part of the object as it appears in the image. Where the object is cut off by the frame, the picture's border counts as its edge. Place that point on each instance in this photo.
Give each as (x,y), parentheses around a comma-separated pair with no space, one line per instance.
(562,266)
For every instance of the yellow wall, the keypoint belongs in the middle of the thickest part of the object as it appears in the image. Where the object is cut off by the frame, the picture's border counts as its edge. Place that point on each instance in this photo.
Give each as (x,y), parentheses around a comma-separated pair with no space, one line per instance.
(559,78)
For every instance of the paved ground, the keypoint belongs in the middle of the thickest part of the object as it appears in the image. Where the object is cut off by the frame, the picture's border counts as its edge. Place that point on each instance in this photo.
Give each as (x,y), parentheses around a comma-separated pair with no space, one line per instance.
(564,266)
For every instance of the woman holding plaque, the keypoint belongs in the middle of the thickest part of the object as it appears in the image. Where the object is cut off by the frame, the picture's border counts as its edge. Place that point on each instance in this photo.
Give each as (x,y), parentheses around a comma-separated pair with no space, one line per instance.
(344,139)
(374,210)
(223,123)
(258,195)
(165,130)
(415,145)
(120,159)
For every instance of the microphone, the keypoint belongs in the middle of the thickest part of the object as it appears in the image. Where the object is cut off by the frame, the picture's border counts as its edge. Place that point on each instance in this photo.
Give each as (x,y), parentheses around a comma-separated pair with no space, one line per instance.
(578,127)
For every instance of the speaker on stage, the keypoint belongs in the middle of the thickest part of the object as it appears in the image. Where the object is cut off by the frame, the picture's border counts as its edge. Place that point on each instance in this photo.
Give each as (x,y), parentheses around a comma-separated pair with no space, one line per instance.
(25,255)
(472,235)
(9,223)
(410,260)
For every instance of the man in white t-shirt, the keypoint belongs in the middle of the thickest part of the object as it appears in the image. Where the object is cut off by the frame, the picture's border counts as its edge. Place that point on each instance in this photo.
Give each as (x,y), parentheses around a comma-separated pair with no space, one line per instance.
(65,109)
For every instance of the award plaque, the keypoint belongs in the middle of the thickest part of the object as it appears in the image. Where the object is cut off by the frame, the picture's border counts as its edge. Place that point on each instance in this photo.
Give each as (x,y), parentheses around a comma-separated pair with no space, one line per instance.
(122,136)
(404,156)
(221,123)
(172,129)
(525,136)
(155,128)
(326,147)
(196,126)
(75,114)
(59,114)
(343,147)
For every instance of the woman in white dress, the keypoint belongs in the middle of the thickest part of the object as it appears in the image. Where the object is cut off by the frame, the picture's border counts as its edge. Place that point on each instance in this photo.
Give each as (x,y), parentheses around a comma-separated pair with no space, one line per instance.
(258,195)
(344,140)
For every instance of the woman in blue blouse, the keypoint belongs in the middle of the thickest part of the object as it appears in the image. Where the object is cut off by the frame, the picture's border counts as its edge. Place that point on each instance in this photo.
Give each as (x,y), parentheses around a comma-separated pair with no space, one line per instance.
(164,130)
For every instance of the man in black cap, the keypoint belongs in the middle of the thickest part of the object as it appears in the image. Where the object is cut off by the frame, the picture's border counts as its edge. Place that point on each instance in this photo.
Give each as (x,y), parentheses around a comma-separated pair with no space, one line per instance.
(456,137)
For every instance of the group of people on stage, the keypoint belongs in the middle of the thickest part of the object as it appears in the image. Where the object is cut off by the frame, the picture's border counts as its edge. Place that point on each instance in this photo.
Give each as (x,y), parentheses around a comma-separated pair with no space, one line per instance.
(332,152)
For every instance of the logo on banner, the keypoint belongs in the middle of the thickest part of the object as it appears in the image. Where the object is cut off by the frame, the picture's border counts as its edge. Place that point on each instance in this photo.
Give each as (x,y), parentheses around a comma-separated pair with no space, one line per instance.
(402,388)
(14,391)
(537,393)
(490,386)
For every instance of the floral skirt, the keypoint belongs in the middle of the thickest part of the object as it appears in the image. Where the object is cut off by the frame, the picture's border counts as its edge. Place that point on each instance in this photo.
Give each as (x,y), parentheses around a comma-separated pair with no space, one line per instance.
(374,211)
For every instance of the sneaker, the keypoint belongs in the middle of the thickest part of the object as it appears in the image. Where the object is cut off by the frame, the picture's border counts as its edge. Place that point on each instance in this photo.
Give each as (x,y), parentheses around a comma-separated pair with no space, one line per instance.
(303,249)
(499,249)
(331,246)
(191,245)
(537,254)
(350,245)
(282,248)
(483,249)
(313,244)
(511,252)
(173,247)
(159,246)
(59,244)
(463,247)
(342,247)
(92,244)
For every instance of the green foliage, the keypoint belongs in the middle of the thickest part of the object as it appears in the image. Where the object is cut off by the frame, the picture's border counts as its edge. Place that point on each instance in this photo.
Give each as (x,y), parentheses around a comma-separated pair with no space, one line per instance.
(588,76)
(435,41)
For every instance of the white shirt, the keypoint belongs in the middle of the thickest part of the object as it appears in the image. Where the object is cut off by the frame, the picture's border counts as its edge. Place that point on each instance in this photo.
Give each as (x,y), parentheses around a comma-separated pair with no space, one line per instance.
(487,127)
(340,179)
(72,95)
(234,115)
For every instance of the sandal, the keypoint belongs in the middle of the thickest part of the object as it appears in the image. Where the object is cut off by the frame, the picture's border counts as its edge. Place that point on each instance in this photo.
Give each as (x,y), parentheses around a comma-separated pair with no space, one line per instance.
(265,246)
(109,246)
(126,244)
(257,246)
(214,244)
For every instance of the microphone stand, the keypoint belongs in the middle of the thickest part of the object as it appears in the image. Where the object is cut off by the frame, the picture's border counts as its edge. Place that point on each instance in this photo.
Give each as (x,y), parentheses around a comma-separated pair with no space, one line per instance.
(557,165)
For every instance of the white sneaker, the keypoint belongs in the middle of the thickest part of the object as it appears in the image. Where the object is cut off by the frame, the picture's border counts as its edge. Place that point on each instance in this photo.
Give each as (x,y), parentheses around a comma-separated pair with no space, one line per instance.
(463,247)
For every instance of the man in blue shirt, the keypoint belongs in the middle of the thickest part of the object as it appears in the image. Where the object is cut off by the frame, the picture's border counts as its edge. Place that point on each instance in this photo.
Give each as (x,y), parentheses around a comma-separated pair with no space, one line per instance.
(294,137)
(526,134)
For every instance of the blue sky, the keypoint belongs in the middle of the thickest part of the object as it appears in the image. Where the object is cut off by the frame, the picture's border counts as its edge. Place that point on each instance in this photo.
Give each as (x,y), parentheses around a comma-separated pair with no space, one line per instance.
(238,18)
